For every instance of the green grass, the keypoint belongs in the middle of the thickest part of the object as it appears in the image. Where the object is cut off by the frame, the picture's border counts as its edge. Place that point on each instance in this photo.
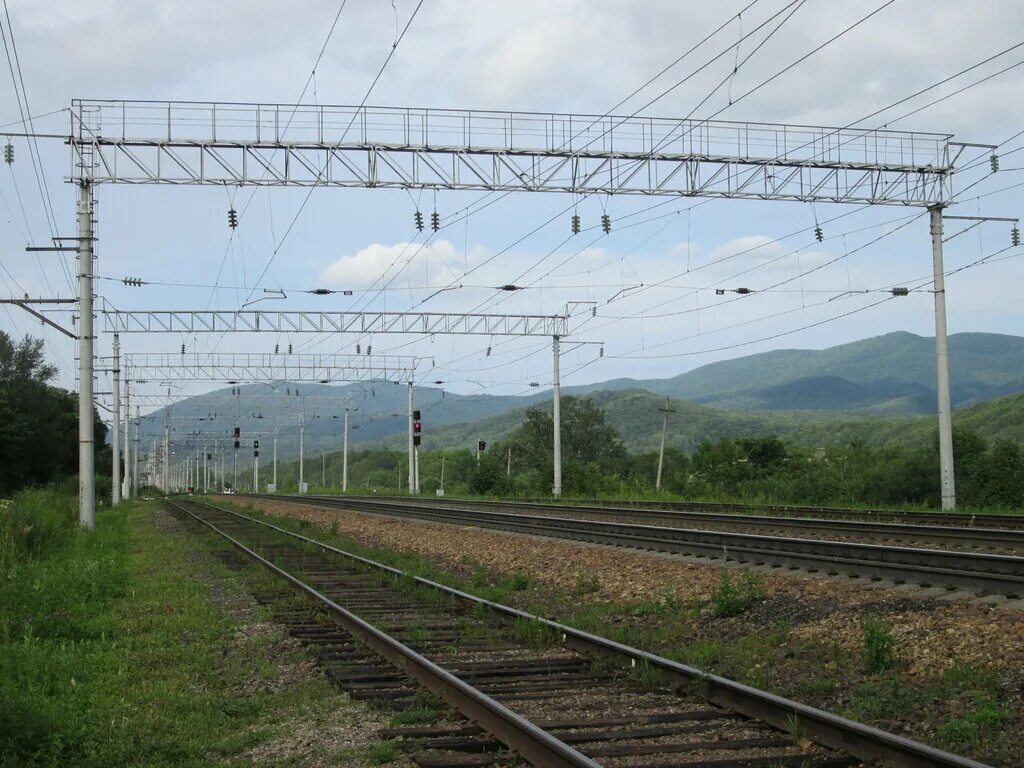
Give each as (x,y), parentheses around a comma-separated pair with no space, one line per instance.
(731,598)
(112,653)
(878,645)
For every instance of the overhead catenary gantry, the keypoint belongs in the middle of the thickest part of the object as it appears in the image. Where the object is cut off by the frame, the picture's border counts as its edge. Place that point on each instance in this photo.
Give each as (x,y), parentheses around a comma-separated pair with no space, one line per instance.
(236,367)
(275,145)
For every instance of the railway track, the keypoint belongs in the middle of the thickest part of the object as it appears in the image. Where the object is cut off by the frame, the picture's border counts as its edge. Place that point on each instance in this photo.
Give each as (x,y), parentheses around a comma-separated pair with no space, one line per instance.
(527,689)
(794,510)
(984,573)
(976,539)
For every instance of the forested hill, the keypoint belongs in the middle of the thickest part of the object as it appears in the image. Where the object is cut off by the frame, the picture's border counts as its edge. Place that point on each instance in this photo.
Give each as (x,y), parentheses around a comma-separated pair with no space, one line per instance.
(890,374)
(636,416)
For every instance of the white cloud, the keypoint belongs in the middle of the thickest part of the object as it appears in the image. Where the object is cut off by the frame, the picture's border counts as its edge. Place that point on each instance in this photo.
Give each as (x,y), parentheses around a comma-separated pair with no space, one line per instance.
(436,263)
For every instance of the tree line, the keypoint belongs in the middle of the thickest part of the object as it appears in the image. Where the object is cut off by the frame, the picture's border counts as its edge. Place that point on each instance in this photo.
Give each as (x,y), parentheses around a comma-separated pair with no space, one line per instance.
(595,462)
(38,421)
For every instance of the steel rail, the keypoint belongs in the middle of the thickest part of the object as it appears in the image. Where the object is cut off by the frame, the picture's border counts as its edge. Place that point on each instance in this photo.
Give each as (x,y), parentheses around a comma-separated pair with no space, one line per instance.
(930,567)
(883,530)
(533,743)
(863,741)
(797,510)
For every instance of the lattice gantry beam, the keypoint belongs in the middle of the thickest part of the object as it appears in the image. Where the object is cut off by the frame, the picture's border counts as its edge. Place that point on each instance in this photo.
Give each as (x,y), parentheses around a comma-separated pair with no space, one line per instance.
(192,143)
(257,321)
(266,367)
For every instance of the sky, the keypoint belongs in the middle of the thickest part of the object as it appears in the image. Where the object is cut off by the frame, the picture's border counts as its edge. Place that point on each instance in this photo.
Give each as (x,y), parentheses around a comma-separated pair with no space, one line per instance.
(565,56)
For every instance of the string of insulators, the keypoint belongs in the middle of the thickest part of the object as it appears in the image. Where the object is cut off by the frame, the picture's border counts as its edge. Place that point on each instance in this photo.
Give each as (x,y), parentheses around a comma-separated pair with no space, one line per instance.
(277,348)
(575,224)
(488,352)
(435,221)
(369,349)
(900,291)
(606,223)
(593,311)
(289,349)
(9,153)
(232,218)
(359,350)
(183,349)
(1015,236)
(133,281)
(994,162)
(819,234)
(418,219)
(600,351)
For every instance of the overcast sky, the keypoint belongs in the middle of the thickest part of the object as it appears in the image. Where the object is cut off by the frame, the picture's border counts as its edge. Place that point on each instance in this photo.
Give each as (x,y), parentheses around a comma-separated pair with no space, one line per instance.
(552,56)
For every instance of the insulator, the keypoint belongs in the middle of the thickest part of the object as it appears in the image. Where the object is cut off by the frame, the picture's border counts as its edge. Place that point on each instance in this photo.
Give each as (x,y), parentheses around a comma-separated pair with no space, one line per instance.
(1015,236)
(277,348)
(606,223)
(418,218)
(369,349)
(232,218)
(435,221)
(575,224)
(289,349)
(133,281)
(321,291)
(819,235)
(183,349)
(359,350)
(593,311)
(994,162)
(900,291)
(9,153)
(743,290)
(600,351)
(719,291)
(488,352)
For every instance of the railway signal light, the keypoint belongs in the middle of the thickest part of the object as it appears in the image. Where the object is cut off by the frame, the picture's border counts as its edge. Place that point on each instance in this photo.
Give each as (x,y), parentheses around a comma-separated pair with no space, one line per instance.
(238,432)
(237,445)
(435,221)
(575,224)
(481,445)
(418,218)
(209,457)
(232,218)
(417,427)
(606,223)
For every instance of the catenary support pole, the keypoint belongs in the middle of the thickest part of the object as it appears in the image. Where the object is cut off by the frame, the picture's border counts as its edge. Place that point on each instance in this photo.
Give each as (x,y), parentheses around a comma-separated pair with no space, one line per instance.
(275,460)
(412,461)
(508,465)
(556,391)
(167,453)
(135,452)
(302,428)
(344,457)
(86,436)
(126,481)
(664,432)
(115,433)
(948,480)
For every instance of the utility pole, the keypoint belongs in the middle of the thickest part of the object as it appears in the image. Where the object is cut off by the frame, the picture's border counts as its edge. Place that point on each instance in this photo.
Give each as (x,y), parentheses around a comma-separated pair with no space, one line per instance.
(302,426)
(115,433)
(323,468)
(344,457)
(126,488)
(942,365)
(275,459)
(135,453)
(86,435)
(412,460)
(664,431)
(556,395)
(167,453)
(442,476)
(508,466)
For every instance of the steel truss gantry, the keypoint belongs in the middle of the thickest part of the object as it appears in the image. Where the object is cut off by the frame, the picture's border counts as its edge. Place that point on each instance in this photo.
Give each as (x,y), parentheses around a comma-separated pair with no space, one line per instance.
(262,321)
(196,143)
(275,145)
(241,367)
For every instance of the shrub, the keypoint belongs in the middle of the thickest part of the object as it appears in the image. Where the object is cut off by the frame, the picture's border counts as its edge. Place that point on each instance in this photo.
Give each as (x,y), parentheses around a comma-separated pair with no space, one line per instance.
(733,598)
(879,646)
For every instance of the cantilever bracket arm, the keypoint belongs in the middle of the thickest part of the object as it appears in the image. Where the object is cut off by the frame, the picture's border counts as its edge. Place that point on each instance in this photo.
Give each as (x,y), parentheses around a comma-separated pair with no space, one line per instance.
(41,316)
